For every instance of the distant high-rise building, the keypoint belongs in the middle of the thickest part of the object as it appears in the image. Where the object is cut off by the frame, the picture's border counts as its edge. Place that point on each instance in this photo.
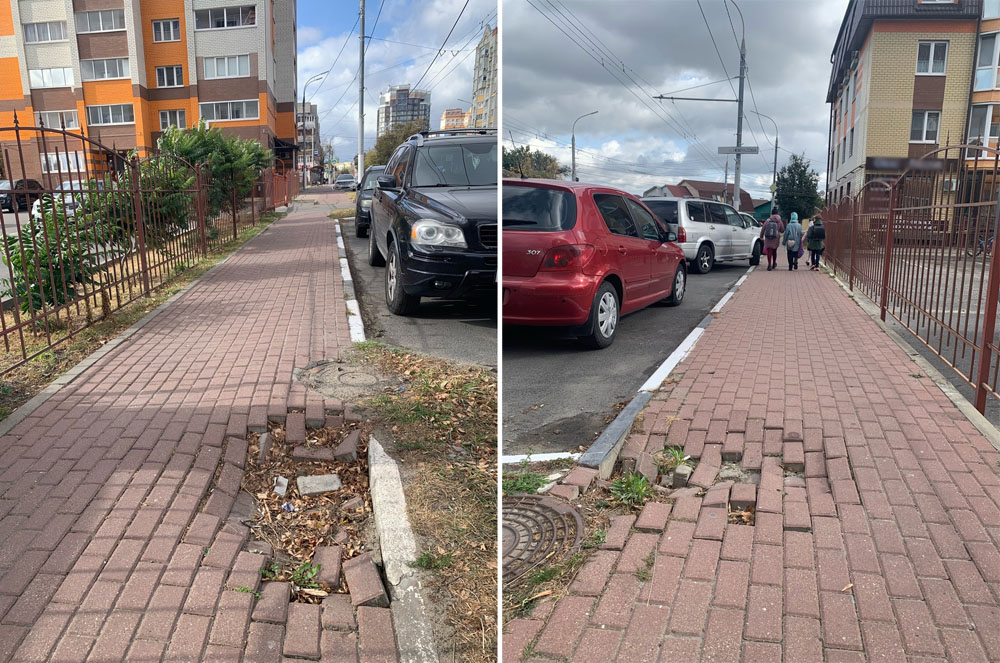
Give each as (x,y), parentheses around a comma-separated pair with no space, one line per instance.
(400,105)
(454,118)
(307,120)
(484,85)
(122,71)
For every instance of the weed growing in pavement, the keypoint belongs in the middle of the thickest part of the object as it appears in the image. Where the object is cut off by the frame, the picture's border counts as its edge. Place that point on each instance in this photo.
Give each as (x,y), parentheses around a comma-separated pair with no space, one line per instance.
(596,539)
(431,562)
(526,482)
(271,571)
(916,375)
(646,572)
(243,589)
(631,490)
(305,575)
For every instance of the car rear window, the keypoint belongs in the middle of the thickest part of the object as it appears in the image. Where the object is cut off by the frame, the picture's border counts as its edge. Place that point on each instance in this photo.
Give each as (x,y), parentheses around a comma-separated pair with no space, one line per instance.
(665,209)
(538,208)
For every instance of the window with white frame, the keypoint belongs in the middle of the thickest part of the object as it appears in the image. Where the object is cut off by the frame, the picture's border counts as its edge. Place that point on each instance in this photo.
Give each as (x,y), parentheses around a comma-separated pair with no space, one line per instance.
(36,33)
(170,76)
(105,20)
(54,77)
(57,119)
(63,162)
(924,126)
(110,114)
(104,69)
(168,30)
(986,62)
(229,110)
(172,118)
(991,8)
(984,126)
(220,18)
(233,66)
(932,58)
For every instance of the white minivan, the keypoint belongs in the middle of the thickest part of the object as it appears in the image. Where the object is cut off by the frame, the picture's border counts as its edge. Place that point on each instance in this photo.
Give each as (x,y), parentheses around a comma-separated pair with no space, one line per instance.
(708,231)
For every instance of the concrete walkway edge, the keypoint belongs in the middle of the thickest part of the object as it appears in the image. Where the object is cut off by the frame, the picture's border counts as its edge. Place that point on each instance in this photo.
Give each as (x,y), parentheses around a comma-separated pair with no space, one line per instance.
(354,319)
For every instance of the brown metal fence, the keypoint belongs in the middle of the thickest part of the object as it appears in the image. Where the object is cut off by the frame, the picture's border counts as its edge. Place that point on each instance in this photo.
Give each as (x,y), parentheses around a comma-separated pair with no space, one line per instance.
(94,229)
(922,247)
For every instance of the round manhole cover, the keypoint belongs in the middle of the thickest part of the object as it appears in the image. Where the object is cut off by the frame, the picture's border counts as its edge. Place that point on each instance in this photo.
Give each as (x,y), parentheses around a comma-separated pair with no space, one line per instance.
(356,379)
(536,529)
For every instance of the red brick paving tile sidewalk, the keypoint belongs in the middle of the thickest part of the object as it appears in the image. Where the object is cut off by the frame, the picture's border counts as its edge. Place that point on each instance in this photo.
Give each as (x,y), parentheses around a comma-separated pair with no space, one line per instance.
(885,550)
(102,540)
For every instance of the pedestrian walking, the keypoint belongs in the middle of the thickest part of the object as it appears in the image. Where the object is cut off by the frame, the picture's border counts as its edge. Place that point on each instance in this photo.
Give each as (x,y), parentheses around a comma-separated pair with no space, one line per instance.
(771,233)
(792,240)
(815,239)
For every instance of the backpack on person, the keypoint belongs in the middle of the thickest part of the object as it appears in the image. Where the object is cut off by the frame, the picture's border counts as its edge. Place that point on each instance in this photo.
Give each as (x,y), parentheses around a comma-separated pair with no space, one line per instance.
(819,232)
(770,230)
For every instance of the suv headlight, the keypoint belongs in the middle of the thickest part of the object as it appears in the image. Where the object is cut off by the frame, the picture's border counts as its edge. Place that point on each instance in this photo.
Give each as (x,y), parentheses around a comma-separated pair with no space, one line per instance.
(366,203)
(427,232)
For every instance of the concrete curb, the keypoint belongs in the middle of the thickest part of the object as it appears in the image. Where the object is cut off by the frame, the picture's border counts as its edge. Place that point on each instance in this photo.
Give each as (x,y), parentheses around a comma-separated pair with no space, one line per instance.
(982,424)
(354,319)
(23,412)
(603,453)
(414,637)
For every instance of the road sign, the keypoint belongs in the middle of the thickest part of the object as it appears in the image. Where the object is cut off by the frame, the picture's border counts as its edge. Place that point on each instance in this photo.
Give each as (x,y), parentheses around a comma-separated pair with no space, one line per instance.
(746,149)
(773,188)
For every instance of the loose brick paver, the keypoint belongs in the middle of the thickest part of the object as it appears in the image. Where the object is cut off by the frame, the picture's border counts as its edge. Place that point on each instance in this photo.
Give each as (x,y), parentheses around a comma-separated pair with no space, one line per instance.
(105,550)
(887,549)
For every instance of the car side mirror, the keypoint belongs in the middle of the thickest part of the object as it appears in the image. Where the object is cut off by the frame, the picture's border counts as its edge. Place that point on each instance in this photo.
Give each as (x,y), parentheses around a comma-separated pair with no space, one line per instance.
(671,236)
(385,182)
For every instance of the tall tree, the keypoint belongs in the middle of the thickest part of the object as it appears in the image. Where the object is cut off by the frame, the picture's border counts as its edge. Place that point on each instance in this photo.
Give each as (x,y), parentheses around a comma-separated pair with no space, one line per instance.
(798,188)
(387,143)
(532,163)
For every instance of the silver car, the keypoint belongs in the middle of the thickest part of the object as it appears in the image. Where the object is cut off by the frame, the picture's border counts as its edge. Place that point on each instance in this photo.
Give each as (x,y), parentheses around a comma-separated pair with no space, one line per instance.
(708,231)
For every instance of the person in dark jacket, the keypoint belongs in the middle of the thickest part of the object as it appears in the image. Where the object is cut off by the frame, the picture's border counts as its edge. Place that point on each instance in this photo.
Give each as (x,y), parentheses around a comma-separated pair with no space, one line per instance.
(815,239)
(771,233)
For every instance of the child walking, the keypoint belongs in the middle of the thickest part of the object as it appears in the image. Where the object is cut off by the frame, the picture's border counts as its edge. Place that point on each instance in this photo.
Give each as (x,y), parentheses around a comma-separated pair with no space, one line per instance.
(815,237)
(771,232)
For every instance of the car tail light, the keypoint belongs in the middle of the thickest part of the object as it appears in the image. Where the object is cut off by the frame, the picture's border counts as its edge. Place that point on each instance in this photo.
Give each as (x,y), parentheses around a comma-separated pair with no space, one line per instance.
(567,257)
(682,234)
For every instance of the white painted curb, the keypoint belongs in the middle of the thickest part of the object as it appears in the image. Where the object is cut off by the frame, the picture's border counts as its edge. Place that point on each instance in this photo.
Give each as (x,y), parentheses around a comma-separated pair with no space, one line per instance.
(538,458)
(355,322)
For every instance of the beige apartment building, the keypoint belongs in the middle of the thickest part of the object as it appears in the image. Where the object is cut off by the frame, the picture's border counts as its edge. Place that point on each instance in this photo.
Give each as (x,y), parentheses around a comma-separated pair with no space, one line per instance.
(900,86)
(484,85)
(454,118)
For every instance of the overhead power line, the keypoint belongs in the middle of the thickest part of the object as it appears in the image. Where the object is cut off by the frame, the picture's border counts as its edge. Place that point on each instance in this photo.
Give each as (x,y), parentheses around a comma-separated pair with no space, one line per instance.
(441,49)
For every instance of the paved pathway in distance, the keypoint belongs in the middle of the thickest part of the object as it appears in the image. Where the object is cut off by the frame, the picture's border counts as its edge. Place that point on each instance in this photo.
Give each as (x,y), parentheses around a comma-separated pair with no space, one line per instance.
(885,546)
(116,541)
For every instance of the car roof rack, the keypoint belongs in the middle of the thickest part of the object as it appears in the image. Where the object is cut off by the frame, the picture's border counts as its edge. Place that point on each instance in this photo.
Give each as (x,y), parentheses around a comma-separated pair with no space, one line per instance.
(428,133)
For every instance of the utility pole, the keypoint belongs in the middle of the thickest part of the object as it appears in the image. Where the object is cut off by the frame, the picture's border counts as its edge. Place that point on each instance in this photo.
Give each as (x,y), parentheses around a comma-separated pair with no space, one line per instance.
(739,126)
(725,184)
(774,172)
(361,98)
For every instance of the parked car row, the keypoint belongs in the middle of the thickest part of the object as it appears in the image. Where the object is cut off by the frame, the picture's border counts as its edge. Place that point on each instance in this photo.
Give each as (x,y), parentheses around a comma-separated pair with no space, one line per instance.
(581,256)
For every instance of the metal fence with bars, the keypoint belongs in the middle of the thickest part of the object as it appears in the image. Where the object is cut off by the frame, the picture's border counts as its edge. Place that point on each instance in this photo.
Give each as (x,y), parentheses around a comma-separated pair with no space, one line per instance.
(95,229)
(922,247)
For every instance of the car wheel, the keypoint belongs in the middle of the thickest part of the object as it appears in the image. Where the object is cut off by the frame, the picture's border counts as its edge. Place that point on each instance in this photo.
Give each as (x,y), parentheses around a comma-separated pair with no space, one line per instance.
(375,258)
(755,258)
(396,298)
(705,259)
(604,314)
(359,229)
(680,287)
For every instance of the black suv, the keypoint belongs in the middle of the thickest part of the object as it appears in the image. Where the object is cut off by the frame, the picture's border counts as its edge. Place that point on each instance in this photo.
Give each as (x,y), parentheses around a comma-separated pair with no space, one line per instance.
(434,218)
(363,200)
(25,193)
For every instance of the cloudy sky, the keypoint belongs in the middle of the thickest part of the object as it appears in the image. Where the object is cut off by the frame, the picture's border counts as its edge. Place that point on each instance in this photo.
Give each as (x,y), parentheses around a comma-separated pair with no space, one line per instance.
(558,59)
(325,27)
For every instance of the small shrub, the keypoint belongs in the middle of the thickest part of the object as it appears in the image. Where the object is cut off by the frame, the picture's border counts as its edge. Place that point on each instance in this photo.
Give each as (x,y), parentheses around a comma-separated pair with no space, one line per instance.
(631,490)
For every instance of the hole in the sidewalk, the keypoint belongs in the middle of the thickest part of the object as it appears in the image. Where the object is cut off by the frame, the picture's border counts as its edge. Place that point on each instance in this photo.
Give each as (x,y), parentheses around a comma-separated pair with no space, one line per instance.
(733,471)
(296,525)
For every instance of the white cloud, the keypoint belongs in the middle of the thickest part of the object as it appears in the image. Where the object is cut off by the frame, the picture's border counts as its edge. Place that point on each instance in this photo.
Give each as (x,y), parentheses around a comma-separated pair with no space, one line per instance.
(309,35)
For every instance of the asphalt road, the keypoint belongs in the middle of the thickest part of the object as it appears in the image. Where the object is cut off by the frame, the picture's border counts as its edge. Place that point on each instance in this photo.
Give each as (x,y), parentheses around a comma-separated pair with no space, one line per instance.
(558,396)
(456,330)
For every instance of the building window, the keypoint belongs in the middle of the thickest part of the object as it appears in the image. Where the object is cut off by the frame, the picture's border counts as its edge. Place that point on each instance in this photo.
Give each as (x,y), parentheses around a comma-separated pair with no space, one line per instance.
(225,17)
(111,114)
(232,66)
(984,127)
(850,146)
(991,9)
(56,77)
(172,118)
(36,33)
(58,119)
(63,162)
(986,62)
(924,127)
(170,76)
(106,20)
(932,57)
(229,110)
(168,30)
(99,70)
(843,150)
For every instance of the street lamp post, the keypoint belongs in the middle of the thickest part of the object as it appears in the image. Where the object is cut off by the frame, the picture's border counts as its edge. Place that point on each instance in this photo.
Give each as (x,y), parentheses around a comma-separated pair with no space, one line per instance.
(573,146)
(308,82)
(774,173)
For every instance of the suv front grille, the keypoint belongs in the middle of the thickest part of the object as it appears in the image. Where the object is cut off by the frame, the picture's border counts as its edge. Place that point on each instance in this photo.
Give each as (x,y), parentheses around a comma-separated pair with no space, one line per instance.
(488,236)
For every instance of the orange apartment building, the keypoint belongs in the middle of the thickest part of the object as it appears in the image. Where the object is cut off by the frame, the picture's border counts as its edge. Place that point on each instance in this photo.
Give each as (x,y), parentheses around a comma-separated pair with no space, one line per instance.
(122,71)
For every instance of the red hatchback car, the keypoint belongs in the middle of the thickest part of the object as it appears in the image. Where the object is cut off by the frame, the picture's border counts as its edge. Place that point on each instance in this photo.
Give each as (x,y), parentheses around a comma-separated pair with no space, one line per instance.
(581,255)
